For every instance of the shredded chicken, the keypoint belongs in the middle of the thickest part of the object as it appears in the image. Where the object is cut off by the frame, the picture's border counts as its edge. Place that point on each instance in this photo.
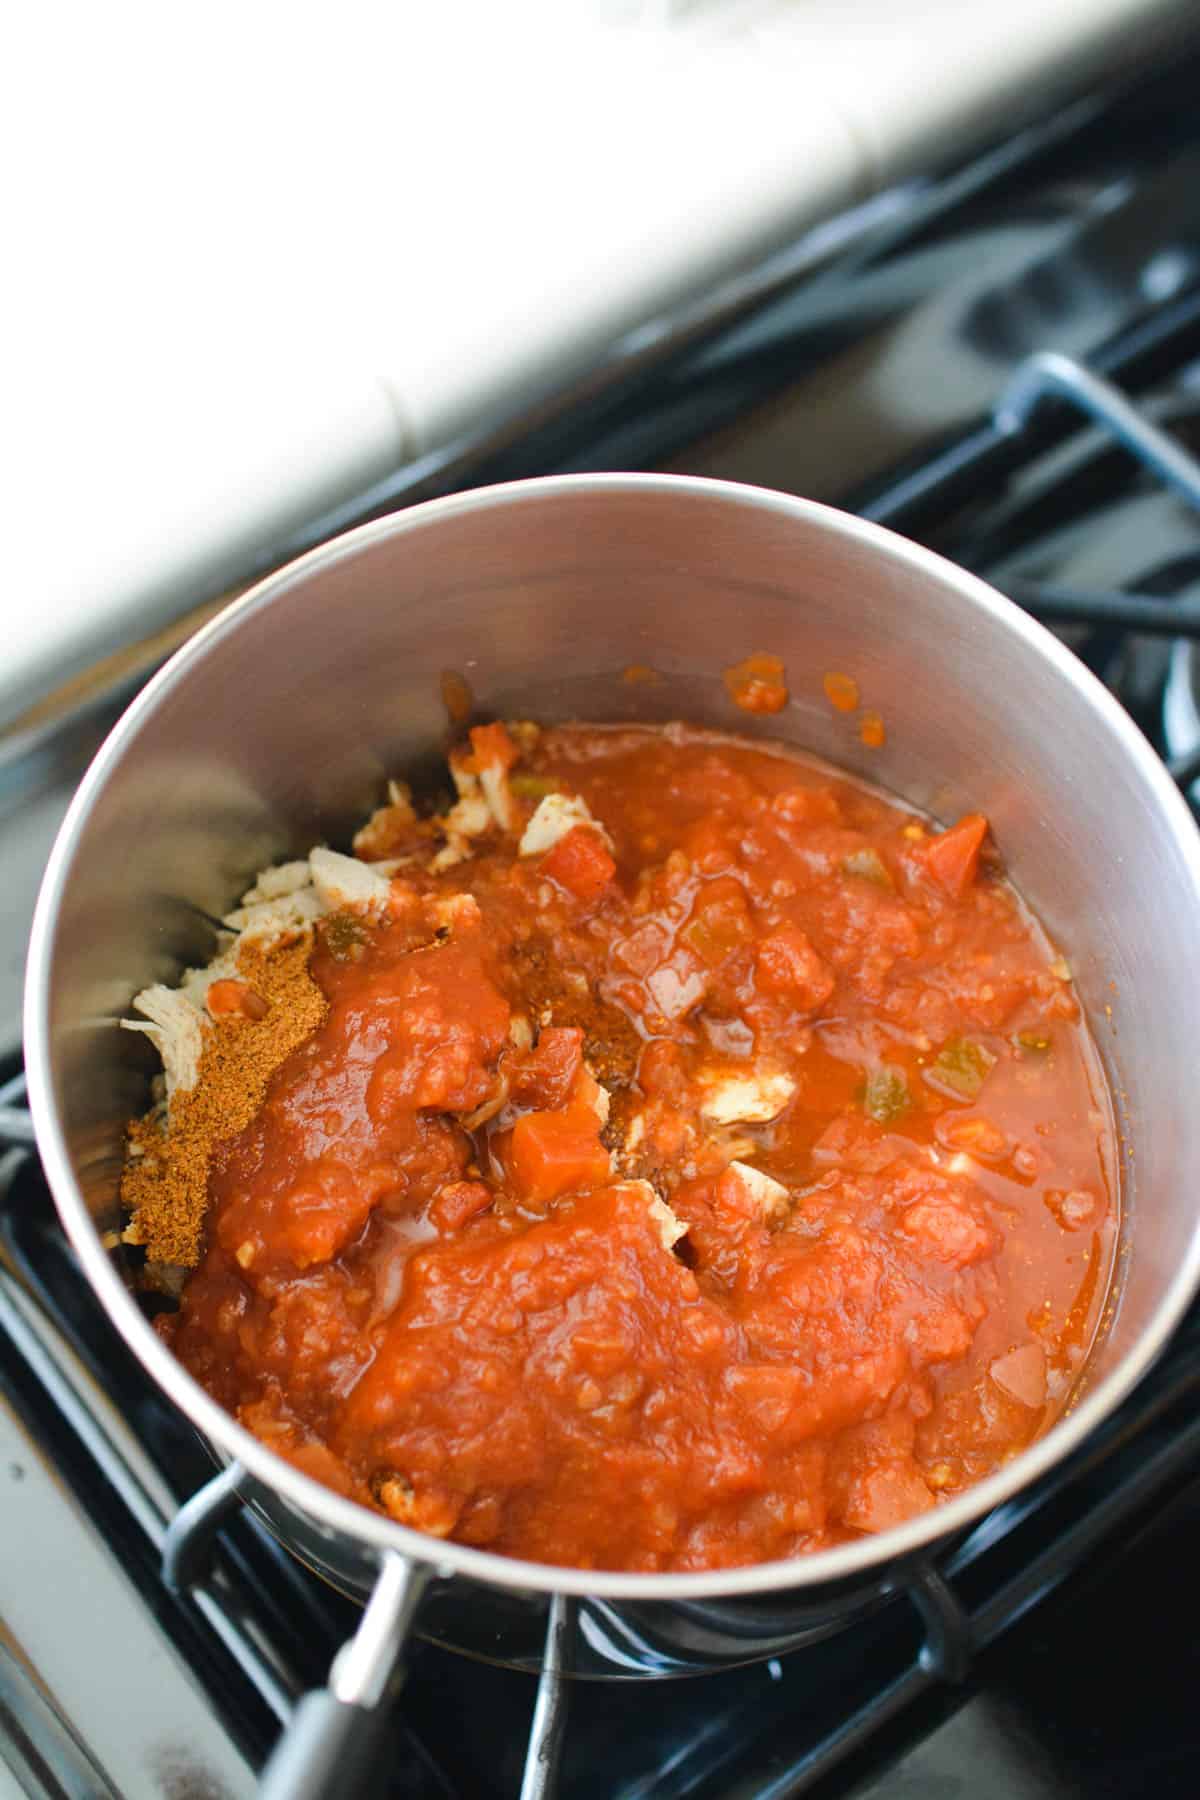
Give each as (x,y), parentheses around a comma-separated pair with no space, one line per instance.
(454,851)
(223,967)
(274,883)
(283,902)
(600,1100)
(471,816)
(389,825)
(465,780)
(344,881)
(731,1099)
(556,814)
(499,797)
(468,818)
(269,920)
(176,1030)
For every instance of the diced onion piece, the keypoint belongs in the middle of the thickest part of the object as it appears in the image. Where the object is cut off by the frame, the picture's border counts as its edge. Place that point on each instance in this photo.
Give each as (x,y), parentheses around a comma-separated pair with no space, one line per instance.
(744,1099)
(1022,1374)
(343,881)
(669,1225)
(592,1094)
(884,1497)
(769,1195)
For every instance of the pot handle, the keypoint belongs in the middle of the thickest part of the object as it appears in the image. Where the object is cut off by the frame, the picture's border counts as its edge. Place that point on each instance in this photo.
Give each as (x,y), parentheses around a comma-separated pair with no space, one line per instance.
(330,1745)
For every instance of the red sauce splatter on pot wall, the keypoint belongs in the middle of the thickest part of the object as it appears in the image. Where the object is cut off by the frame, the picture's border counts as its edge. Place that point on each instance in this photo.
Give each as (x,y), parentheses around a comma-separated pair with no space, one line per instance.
(757,685)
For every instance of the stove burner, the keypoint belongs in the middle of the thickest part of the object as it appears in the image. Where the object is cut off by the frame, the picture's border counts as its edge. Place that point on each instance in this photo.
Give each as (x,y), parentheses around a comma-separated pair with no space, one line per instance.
(1181,715)
(1052,376)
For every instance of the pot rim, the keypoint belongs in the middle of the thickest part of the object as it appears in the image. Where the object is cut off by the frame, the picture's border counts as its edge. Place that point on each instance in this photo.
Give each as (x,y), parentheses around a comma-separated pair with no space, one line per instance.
(321,1504)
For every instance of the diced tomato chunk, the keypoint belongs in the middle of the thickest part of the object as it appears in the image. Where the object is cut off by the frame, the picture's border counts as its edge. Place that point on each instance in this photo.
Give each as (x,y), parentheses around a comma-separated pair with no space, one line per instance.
(707,843)
(807,806)
(553,1153)
(768,1393)
(952,857)
(319,1217)
(546,1074)
(661,1071)
(492,748)
(458,1202)
(787,965)
(580,863)
(948,1232)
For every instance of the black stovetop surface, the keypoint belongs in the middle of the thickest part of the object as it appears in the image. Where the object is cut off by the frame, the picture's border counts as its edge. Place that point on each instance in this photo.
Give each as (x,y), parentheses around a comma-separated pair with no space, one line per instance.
(868,375)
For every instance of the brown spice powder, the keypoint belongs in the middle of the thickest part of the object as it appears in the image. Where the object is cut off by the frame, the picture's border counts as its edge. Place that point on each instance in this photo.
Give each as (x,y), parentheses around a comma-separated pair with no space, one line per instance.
(164,1187)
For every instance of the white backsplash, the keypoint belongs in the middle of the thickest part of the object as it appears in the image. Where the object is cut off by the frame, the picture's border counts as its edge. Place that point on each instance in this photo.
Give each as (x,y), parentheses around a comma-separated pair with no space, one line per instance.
(271,252)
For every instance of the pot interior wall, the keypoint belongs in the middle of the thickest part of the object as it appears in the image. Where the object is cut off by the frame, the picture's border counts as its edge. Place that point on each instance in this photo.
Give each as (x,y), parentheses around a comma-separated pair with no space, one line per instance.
(280,729)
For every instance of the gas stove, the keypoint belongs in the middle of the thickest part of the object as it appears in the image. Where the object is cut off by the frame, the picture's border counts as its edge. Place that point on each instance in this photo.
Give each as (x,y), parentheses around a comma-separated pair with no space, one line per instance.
(1005,364)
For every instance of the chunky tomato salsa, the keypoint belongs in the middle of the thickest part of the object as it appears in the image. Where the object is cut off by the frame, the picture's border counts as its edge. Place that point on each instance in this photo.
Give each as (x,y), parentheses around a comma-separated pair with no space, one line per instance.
(700,1160)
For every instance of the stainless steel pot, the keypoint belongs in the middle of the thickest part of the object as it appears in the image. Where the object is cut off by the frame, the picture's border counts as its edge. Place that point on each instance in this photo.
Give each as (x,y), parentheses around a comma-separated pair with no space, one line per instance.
(275,728)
